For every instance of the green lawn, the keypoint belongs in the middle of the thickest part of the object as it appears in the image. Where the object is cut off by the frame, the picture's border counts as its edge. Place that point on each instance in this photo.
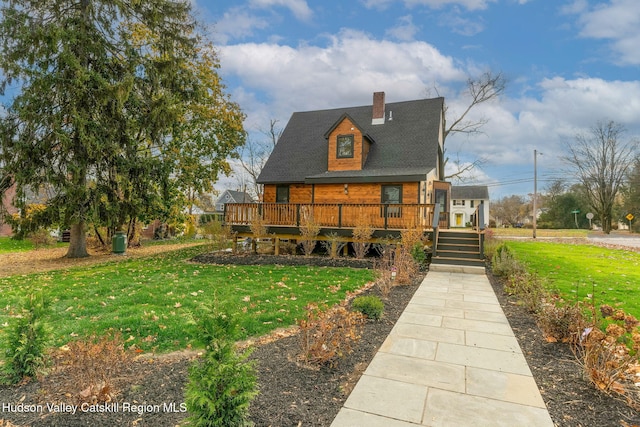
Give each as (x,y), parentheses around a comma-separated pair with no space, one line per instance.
(151,299)
(611,276)
(9,245)
(527,232)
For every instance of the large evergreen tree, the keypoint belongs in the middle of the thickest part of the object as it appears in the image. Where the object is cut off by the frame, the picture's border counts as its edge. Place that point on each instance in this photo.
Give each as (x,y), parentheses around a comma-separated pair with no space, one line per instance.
(110,108)
(559,204)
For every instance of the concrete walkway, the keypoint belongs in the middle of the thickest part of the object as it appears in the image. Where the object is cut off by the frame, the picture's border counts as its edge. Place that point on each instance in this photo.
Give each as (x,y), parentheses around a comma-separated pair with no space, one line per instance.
(450,360)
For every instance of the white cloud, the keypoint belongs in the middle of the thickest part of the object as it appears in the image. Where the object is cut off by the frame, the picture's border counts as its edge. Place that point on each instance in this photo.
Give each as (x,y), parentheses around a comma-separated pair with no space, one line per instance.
(405,30)
(462,26)
(275,80)
(617,21)
(434,4)
(237,23)
(545,122)
(345,72)
(299,8)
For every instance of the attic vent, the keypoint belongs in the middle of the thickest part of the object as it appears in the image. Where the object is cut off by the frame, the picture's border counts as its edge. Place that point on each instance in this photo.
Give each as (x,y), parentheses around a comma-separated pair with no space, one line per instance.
(378,109)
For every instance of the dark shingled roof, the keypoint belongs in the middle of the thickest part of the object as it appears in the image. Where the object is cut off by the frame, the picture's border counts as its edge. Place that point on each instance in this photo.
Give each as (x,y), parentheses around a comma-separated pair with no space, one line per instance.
(469,192)
(403,149)
(240,196)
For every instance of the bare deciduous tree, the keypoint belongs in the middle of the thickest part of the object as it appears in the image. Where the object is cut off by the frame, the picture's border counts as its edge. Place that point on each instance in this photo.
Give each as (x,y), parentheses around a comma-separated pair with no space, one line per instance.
(600,161)
(510,209)
(479,90)
(254,155)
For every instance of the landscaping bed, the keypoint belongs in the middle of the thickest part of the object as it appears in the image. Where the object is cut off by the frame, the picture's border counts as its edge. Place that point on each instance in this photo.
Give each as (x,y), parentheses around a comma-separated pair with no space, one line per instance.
(295,395)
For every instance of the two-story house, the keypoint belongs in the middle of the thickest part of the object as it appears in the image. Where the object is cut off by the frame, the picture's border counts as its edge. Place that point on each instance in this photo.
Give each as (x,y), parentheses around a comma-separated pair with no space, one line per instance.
(379,163)
(465,201)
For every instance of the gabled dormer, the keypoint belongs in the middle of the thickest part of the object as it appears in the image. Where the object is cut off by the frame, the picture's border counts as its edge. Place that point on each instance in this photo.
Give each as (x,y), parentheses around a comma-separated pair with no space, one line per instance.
(348,145)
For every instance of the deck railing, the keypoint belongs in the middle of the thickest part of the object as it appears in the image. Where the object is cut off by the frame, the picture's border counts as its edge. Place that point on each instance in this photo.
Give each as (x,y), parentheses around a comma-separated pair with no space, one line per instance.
(331,215)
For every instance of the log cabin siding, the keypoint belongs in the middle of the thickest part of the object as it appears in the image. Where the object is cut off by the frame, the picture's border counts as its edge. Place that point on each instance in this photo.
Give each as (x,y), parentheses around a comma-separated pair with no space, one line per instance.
(360,148)
(357,193)
(298,193)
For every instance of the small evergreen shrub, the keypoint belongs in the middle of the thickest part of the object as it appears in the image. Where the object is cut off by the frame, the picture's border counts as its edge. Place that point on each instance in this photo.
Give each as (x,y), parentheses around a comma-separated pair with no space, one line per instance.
(371,306)
(27,340)
(417,253)
(221,385)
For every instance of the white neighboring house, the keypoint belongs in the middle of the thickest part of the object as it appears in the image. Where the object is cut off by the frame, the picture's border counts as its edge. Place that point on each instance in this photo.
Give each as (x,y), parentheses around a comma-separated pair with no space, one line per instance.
(465,199)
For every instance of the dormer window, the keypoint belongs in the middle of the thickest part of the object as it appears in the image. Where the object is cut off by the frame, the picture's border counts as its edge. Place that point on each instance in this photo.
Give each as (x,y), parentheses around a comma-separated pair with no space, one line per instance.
(345,147)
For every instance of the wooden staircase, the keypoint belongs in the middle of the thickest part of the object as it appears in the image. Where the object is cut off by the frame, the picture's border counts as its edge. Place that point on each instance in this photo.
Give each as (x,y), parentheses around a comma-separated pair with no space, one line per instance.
(458,251)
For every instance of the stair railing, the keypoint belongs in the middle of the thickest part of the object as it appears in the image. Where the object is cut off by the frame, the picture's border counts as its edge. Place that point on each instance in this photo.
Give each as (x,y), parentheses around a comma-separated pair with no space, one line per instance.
(436,228)
(479,225)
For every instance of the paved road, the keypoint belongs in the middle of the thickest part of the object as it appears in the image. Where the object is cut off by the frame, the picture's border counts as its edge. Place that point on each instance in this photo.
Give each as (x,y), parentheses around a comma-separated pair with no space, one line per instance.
(632,240)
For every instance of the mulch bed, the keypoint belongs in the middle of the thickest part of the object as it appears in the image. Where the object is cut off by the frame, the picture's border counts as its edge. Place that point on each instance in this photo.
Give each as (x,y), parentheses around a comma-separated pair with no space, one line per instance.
(295,395)
(571,399)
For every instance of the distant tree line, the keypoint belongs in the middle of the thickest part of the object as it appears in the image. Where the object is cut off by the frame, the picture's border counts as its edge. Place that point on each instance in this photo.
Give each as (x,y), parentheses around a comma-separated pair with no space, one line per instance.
(559,199)
(607,170)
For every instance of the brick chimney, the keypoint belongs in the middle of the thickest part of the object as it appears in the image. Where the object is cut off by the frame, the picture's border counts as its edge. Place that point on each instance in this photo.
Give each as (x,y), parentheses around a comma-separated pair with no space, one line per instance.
(378,108)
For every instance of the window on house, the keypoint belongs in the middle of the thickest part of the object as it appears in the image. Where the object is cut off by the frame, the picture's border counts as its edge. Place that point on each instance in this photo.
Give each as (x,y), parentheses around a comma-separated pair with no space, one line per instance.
(471,205)
(458,203)
(391,195)
(345,146)
(282,194)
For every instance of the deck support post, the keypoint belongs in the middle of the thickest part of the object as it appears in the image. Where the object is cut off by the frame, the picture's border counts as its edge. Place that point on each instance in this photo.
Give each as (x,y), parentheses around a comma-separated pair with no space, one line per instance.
(276,249)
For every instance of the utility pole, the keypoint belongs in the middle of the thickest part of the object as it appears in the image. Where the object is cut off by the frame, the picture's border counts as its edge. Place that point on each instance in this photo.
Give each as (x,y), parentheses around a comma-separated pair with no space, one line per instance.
(535,190)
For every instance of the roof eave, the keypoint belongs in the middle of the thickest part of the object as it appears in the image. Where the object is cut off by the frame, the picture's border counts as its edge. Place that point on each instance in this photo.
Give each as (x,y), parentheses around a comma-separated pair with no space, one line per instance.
(365,179)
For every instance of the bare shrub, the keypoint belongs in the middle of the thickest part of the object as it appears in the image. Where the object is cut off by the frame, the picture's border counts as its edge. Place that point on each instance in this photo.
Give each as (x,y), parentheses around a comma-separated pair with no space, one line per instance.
(328,335)
(610,364)
(561,322)
(491,244)
(528,287)
(217,234)
(362,237)
(258,227)
(411,237)
(87,370)
(333,245)
(309,230)
(287,248)
(384,266)
(503,263)
(41,238)
(405,265)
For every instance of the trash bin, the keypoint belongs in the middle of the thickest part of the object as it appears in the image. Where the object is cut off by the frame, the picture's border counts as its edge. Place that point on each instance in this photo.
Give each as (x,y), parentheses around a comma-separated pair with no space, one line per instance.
(119,242)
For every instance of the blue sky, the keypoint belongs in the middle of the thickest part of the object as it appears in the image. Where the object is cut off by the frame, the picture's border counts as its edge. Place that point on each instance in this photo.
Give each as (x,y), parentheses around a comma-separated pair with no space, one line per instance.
(569,64)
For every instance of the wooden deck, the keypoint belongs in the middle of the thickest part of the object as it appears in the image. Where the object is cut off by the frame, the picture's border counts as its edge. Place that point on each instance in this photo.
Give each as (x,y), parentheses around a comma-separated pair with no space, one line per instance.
(286,218)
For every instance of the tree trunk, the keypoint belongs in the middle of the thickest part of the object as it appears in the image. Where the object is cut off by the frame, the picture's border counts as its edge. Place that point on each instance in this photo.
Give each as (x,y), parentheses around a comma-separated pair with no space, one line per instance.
(78,242)
(606,223)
